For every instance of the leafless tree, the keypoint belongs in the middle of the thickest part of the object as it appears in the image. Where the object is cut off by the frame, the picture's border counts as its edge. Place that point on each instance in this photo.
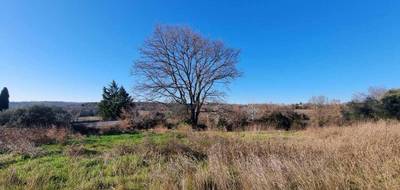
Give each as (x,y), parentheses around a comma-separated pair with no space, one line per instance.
(319,100)
(374,92)
(377,92)
(181,65)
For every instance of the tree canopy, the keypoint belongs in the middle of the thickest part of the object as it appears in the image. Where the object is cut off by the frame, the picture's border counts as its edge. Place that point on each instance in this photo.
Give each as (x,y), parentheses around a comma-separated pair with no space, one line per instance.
(178,64)
(115,98)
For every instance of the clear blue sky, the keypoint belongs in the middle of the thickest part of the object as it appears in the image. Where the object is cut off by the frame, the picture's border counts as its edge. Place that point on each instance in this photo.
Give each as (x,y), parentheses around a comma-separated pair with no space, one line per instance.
(291,50)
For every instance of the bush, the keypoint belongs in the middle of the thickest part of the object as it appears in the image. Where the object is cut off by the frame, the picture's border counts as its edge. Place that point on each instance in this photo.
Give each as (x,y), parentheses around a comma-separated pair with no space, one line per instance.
(36,116)
(327,114)
(369,109)
(25,141)
(286,120)
(231,120)
(135,120)
(149,121)
(374,107)
(391,103)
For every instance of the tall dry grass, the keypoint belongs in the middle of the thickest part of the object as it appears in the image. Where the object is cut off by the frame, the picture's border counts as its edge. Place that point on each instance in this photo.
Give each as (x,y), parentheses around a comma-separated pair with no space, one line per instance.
(363,156)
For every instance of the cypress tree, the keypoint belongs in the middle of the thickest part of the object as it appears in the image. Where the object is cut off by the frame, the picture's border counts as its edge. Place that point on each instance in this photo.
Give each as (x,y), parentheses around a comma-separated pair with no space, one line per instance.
(4,99)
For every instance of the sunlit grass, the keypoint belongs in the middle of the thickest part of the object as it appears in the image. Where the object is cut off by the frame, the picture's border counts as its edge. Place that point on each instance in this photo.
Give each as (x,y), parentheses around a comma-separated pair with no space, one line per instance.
(358,157)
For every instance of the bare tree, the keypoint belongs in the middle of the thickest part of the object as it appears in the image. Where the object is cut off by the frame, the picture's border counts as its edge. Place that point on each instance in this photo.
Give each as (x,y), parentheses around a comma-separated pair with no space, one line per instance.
(374,92)
(377,92)
(319,100)
(179,64)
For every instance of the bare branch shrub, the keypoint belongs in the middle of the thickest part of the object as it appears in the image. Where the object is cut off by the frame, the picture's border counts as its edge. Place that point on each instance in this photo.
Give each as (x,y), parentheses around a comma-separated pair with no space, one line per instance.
(25,141)
(325,112)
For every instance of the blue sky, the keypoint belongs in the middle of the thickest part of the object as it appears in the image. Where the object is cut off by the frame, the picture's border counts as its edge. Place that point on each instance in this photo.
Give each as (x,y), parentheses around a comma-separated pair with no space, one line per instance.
(291,50)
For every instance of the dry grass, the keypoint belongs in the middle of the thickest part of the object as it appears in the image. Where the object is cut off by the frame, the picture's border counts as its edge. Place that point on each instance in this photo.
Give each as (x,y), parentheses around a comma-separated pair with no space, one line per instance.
(363,156)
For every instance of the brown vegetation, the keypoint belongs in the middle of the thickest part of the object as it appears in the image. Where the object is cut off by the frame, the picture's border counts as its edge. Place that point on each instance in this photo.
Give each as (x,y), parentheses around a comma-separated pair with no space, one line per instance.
(26,140)
(364,156)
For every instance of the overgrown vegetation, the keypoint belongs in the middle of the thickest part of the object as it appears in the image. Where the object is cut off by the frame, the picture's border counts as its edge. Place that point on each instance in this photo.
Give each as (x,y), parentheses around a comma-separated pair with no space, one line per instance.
(35,117)
(364,156)
(286,120)
(374,108)
(154,148)
(133,119)
(187,141)
(391,103)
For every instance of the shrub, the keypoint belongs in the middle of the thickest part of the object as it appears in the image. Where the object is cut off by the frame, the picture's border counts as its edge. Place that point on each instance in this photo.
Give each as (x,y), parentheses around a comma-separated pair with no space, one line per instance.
(369,109)
(286,120)
(36,116)
(135,120)
(25,141)
(327,115)
(150,120)
(391,103)
(231,120)
(372,108)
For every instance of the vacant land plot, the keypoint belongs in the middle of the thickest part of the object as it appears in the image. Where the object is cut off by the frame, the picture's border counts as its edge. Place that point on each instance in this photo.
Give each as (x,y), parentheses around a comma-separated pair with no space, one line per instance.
(364,156)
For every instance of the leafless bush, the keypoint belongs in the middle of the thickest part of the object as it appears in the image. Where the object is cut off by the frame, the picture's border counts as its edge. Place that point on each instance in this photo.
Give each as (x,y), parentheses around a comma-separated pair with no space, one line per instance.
(23,147)
(285,120)
(225,118)
(133,119)
(26,140)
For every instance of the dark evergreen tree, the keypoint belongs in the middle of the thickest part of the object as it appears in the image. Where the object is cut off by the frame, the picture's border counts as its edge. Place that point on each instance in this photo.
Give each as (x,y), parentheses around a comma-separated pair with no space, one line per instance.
(123,98)
(115,99)
(4,99)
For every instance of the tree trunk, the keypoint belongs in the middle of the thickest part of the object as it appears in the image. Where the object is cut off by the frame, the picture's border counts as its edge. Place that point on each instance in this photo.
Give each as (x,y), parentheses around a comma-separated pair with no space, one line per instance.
(194,118)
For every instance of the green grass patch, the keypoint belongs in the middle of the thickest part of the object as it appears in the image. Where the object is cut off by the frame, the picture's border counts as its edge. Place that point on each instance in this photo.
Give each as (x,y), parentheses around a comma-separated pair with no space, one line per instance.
(97,164)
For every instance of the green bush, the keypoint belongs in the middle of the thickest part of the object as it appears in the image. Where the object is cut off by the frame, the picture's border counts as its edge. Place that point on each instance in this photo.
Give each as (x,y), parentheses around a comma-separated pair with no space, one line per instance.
(369,109)
(374,109)
(35,116)
(391,103)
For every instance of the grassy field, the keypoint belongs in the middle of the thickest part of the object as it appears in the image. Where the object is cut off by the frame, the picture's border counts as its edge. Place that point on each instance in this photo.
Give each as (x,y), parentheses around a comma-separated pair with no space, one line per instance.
(365,156)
